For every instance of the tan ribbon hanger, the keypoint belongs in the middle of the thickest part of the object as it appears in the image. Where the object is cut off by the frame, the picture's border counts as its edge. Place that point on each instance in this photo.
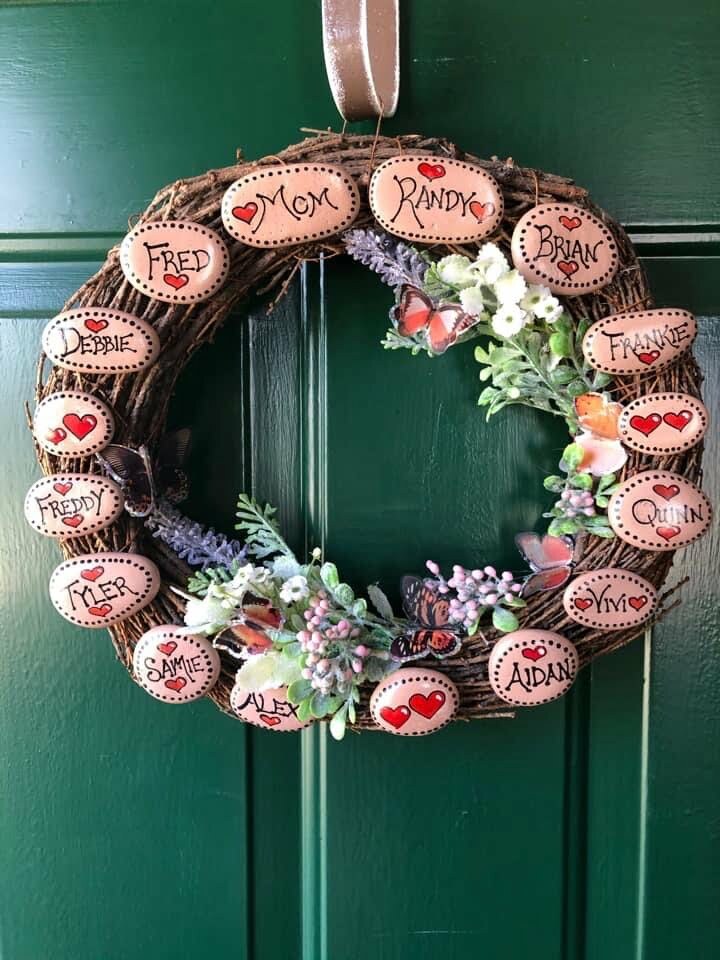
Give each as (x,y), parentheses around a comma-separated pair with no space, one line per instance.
(362,58)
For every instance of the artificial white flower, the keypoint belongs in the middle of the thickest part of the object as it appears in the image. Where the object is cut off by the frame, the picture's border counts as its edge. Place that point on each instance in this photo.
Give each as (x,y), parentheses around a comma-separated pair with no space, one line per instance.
(454,270)
(206,615)
(535,295)
(542,303)
(549,310)
(244,578)
(510,288)
(471,299)
(490,264)
(296,588)
(283,567)
(509,320)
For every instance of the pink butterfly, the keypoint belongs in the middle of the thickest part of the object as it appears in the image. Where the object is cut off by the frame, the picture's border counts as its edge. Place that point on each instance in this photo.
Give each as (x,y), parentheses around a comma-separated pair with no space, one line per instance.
(550,558)
(441,325)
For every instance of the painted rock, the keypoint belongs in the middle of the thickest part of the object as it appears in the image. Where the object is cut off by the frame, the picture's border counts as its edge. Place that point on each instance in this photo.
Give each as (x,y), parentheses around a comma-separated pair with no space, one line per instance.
(530,667)
(174,667)
(177,261)
(413,702)
(565,248)
(96,340)
(99,589)
(431,199)
(663,423)
(72,504)
(659,511)
(269,709)
(290,204)
(610,599)
(638,342)
(72,424)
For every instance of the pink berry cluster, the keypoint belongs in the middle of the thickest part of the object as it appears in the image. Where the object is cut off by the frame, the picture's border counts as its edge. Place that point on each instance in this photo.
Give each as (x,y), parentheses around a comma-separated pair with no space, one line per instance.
(475,590)
(576,503)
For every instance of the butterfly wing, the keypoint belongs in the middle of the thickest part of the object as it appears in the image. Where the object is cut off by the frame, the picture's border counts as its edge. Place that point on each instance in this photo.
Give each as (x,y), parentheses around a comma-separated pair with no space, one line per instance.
(423,604)
(598,415)
(443,326)
(545,580)
(131,469)
(409,646)
(443,644)
(546,552)
(412,313)
(172,455)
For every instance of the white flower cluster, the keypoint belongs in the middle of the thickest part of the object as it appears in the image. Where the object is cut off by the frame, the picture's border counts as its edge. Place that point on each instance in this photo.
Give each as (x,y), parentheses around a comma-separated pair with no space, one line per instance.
(217,608)
(490,290)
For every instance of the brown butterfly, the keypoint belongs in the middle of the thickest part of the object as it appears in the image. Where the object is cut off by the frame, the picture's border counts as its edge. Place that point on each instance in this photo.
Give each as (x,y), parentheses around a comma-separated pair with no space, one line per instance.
(429,630)
(441,325)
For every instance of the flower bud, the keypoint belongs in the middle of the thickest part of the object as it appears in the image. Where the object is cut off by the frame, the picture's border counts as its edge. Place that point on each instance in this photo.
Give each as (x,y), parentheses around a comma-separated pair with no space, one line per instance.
(432,567)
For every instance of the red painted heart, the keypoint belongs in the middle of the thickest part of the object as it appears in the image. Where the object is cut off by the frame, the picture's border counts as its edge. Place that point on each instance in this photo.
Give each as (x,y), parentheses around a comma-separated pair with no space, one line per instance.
(95,326)
(667,493)
(245,213)
(176,280)
(80,427)
(57,435)
(74,521)
(637,603)
(101,611)
(92,574)
(667,533)
(648,358)
(62,488)
(571,223)
(568,267)
(432,171)
(167,648)
(582,603)
(269,721)
(534,653)
(176,684)
(646,425)
(427,706)
(395,716)
(678,421)
(481,211)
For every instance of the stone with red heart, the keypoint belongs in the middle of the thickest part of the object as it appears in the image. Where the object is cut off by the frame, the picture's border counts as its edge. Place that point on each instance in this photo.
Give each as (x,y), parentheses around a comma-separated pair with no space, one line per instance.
(534,653)
(658,510)
(73,521)
(100,589)
(666,491)
(268,709)
(62,488)
(100,340)
(568,267)
(413,702)
(633,342)
(246,212)
(94,325)
(176,281)
(663,423)
(649,357)
(582,603)
(610,598)
(174,666)
(80,426)
(431,171)
(531,667)
(481,211)
(678,421)
(646,425)
(71,505)
(102,611)
(570,223)
(72,423)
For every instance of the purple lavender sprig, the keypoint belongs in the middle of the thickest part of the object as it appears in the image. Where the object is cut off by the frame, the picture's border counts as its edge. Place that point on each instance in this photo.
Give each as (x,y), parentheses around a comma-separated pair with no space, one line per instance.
(199,546)
(395,262)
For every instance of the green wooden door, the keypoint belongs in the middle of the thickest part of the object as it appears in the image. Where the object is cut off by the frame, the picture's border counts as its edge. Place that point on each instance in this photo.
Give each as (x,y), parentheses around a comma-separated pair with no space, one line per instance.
(129,830)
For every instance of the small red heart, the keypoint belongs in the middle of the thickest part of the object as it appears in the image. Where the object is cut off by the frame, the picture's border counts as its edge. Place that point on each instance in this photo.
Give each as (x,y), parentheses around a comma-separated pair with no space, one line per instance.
(176,684)
(570,223)
(92,574)
(74,521)
(637,603)
(534,653)
(427,706)
(62,488)
(395,716)
(245,213)
(167,648)
(80,427)
(583,603)
(95,326)
(648,358)
(667,533)
(667,493)
(102,611)
(176,281)
(678,421)
(481,211)
(432,171)
(269,721)
(56,436)
(646,425)
(568,267)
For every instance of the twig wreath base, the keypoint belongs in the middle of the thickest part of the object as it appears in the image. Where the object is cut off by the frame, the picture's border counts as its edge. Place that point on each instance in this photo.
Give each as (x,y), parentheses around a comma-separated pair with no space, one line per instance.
(140,400)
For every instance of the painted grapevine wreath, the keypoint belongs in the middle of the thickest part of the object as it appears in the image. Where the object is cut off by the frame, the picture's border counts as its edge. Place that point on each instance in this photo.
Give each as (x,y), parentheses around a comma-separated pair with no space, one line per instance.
(281,641)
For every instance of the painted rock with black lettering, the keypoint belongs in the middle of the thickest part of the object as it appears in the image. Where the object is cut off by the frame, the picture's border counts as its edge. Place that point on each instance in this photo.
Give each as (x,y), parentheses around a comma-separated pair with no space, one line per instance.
(72,424)
(530,667)
(176,261)
(610,599)
(99,589)
(565,248)
(268,709)
(413,702)
(639,342)
(430,199)
(289,204)
(663,423)
(174,667)
(65,505)
(99,340)
(659,510)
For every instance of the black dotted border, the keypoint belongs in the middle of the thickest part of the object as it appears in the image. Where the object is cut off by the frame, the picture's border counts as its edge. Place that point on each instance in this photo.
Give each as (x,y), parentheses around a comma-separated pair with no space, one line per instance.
(156,635)
(612,574)
(138,326)
(264,726)
(79,450)
(568,287)
(645,446)
(480,234)
(151,290)
(401,677)
(93,479)
(659,364)
(542,638)
(228,202)
(147,595)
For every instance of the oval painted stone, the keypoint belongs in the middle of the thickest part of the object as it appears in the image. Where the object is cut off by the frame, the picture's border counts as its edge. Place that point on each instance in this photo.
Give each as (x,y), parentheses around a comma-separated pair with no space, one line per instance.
(663,423)
(413,702)
(66,505)
(610,599)
(98,340)
(565,248)
(430,199)
(530,667)
(99,589)
(174,667)
(72,424)
(269,709)
(658,510)
(176,261)
(638,342)
(289,204)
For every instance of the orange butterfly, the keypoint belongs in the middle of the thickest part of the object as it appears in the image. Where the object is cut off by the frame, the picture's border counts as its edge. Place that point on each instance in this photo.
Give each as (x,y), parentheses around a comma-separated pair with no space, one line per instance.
(429,630)
(441,325)
(598,416)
